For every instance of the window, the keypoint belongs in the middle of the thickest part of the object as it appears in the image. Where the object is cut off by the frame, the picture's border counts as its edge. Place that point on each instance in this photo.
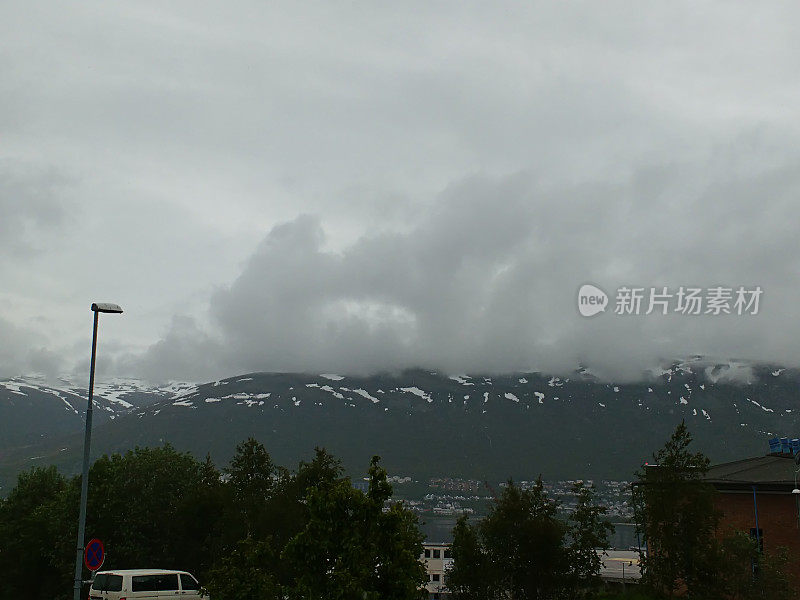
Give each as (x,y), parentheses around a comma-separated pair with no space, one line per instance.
(436,577)
(167,582)
(154,583)
(114,583)
(188,582)
(99,581)
(437,554)
(448,553)
(107,583)
(427,552)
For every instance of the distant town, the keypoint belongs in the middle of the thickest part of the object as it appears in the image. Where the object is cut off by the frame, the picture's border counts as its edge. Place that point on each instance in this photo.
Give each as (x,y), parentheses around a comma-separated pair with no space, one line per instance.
(446,496)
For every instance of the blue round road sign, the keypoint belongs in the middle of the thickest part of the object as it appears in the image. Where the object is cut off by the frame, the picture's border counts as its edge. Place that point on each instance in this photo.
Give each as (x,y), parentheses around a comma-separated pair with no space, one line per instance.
(94,555)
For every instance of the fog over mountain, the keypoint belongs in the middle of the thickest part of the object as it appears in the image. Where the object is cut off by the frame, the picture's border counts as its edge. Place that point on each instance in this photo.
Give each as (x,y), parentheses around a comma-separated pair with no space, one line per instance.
(488,280)
(353,189)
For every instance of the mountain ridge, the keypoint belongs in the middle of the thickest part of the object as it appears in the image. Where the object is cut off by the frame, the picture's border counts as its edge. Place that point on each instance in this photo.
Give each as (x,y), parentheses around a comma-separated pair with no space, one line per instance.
(428,424)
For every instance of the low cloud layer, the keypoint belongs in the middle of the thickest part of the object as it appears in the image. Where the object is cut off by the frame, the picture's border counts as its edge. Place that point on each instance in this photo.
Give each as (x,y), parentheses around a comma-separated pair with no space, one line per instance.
(487,281)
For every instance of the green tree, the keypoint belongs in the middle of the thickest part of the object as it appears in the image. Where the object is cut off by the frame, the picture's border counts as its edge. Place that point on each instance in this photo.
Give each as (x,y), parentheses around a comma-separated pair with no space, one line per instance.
(518,551)
(279,511)
(351,548)
(246,573)
(252,480)
(31,564)
(738,555)
(141,504)
(200,520)
(288,502)
(472,576)
(588,532)
(675,510)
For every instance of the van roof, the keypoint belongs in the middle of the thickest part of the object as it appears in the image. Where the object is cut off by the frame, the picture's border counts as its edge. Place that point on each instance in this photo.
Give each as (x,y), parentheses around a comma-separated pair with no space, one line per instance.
(142,572)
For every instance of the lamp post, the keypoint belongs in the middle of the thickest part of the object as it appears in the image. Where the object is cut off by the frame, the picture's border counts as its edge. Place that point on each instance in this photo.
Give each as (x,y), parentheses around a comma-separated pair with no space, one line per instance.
(97,308)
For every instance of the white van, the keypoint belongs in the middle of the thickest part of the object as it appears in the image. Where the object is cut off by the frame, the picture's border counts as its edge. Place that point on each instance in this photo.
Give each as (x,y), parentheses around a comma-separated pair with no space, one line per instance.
(152,584)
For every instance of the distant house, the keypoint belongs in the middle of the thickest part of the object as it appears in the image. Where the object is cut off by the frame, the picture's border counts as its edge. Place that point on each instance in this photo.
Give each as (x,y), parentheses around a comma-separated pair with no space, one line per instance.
(437,560)
(755,496)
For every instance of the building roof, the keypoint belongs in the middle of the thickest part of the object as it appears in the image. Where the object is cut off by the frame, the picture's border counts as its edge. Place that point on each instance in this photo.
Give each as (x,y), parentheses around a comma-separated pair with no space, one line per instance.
(774,472)
(142,572)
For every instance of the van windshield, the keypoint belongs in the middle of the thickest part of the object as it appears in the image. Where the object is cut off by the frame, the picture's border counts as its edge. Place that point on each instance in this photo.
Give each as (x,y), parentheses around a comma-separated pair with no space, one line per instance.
(106,582)
(99,581)
(188,582)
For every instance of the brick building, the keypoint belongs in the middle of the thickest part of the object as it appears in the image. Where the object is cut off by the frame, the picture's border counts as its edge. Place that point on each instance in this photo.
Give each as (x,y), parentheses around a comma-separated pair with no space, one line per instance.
(755,496)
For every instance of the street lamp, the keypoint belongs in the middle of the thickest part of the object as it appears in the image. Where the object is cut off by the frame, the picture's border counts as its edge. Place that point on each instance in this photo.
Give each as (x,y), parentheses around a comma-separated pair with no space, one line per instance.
(97,308)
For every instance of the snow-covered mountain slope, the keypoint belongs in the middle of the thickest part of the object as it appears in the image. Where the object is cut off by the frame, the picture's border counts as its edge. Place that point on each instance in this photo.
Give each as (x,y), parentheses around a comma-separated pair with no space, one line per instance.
(32,409)
(468,425)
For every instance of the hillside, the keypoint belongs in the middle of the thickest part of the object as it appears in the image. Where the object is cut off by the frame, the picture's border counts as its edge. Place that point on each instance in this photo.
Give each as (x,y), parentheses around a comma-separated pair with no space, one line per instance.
(427,424)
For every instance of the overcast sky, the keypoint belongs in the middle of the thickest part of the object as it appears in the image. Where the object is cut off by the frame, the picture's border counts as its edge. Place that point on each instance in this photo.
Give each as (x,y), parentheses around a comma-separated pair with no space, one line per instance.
(361,186)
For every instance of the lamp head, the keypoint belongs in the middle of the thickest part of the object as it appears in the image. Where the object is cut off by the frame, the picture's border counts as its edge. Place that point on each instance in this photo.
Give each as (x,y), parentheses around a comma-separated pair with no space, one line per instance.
(106,307)
(796,492)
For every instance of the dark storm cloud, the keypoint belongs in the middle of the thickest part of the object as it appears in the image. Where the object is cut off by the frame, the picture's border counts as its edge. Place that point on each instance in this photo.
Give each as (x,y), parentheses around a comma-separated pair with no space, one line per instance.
(414,183)
(488,280)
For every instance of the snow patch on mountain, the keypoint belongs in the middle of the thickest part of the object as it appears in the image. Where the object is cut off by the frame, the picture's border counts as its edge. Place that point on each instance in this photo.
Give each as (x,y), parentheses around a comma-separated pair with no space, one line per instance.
(246,396)
(366,394)
(330,390)
(764,408)
(13,387)
(417,392)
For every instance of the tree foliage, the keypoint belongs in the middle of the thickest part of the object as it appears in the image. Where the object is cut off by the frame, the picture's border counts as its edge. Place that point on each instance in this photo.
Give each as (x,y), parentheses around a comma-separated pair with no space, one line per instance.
(589,531)
(255,530)
(351,548)
(687,554)
(30,521)
(247,572)
(675,510)
(523,550)
(148,505)
(738,554)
